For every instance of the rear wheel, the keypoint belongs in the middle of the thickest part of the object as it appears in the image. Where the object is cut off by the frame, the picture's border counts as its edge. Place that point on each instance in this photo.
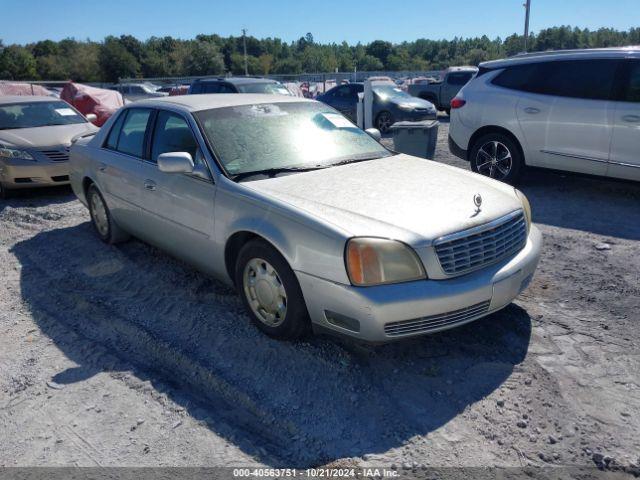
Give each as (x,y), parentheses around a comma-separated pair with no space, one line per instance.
(270,291)
(497,156)
(384,121)
(107,229)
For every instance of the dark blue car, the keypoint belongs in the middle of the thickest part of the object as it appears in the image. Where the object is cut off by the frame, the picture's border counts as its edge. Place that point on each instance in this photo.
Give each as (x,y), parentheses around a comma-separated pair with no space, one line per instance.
(391,104)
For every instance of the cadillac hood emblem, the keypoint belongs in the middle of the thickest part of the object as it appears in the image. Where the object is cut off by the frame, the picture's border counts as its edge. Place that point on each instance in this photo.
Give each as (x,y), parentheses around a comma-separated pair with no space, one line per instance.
(477,201)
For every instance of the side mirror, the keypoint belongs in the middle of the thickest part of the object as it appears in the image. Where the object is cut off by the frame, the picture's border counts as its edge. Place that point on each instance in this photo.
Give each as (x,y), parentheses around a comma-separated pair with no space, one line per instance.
(91,117)
(175,162)
(374,133)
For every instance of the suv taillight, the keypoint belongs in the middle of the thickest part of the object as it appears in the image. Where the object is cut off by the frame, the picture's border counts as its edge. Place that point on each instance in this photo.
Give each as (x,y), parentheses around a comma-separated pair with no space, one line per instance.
(457,102)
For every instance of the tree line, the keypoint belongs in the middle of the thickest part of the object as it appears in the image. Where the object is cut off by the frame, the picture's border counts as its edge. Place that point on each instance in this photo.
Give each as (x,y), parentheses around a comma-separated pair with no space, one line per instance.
(126,56)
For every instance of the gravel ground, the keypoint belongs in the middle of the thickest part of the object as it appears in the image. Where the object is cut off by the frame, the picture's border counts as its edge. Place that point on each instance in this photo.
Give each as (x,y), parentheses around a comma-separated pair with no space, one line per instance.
(124,356)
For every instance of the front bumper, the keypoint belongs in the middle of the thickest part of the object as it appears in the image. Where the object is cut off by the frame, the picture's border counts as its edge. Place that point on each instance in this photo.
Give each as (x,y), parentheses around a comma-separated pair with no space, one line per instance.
(27,174)
(390,312)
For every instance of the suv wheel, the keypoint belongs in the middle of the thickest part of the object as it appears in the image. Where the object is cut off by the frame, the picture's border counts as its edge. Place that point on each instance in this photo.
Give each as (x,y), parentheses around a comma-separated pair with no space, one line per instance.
(107,229)
(497,156)
(270,291)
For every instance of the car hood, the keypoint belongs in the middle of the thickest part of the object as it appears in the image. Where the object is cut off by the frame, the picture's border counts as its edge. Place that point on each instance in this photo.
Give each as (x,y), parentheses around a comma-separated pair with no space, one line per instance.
(413,101)
(45,136)
(401,197)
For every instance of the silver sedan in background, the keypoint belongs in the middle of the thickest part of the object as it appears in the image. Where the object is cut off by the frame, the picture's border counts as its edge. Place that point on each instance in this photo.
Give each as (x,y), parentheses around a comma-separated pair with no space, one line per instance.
(312,220)
(35,136)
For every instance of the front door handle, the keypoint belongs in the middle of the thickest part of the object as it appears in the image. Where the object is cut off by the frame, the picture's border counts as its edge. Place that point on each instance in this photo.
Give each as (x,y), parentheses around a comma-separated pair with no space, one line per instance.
(631,118)
(150,185)
(532,110)
(102,167)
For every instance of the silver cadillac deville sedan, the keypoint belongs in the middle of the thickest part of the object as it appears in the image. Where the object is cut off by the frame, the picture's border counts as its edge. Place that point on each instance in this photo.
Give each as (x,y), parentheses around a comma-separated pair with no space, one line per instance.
(314,222)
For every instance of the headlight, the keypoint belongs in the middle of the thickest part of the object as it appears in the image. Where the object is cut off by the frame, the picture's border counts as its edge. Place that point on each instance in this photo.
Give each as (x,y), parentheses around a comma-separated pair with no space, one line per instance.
(6,152)
(407,107)
(525,206)
(376,261)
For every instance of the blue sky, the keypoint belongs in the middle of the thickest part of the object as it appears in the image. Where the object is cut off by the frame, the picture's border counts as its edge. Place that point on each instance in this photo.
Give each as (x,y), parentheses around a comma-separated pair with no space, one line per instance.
(328,20)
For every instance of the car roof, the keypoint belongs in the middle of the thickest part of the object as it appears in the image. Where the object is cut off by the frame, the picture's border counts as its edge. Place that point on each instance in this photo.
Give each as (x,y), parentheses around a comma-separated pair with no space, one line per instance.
(6,99)
(237,80)
(194,103)
(579,54)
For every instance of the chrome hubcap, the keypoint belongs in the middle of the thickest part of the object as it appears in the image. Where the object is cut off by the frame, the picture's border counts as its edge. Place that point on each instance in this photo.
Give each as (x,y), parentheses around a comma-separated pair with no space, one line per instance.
(99,214)
(265,292)
(494,160)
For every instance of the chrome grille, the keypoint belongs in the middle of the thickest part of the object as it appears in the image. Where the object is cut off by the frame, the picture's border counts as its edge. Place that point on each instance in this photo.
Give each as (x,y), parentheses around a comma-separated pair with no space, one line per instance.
(478,247)
(57,155)
(437,322)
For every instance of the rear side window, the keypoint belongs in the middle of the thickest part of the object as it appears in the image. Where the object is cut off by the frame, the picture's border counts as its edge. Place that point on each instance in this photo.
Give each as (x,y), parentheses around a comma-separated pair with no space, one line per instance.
(131,138)
(112,139)
(460,78)
(210,88)
(587,79)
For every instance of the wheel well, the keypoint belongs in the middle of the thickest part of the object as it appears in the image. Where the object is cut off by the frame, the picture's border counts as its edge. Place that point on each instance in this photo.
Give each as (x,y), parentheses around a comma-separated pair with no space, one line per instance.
(493,129)
(86,183)
(232,249)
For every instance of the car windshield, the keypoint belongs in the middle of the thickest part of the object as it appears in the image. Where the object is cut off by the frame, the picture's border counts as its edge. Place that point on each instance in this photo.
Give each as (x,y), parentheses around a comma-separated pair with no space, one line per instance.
(389,91)
(266,87)
(250,138)
(37,114)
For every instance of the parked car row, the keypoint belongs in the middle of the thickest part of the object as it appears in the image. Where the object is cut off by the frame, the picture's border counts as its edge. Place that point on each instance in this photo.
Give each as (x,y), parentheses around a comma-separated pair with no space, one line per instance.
(577,111)
(315,223)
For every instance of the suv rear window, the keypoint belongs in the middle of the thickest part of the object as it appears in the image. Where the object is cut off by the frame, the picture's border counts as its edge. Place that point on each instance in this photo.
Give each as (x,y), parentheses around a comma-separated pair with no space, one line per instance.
(588,79)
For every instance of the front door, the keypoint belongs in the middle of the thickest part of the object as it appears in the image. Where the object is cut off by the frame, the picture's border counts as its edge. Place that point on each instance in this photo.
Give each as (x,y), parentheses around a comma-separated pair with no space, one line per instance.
(624,161)
(178,207)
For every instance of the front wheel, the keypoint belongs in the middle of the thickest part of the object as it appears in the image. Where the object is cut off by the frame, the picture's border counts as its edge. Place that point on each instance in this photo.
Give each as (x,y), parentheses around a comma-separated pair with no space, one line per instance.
(270,291)
(384,122)
(497,156)
(4,192)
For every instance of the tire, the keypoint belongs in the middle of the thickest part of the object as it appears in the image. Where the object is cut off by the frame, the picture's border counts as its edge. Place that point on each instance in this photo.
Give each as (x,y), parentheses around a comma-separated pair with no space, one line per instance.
(106,228)
(276,287)
(4,192)
(498,156)
(384,120)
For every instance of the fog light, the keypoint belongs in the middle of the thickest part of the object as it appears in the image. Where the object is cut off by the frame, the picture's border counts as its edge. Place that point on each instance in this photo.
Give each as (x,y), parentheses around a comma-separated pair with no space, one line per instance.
(342,321)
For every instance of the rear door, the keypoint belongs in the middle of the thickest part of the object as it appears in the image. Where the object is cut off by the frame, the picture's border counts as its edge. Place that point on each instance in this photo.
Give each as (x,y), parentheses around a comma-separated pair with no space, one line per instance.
(624,161)
(566,112)
(178,208)
(119,173)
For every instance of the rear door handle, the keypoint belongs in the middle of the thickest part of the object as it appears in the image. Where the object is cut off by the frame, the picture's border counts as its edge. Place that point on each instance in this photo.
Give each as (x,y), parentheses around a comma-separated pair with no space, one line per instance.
(102,167)
(150,185)
(631,118)
(532,110)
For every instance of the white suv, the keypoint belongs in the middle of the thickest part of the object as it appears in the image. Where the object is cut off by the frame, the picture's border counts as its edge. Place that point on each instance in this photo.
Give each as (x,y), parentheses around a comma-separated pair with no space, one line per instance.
(576,110)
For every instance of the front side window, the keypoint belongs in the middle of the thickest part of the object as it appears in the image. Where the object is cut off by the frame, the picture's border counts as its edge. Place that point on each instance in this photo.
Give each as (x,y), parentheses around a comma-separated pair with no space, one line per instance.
(632,90)
(172,134)
(248,138)
(37,114)
(131,138)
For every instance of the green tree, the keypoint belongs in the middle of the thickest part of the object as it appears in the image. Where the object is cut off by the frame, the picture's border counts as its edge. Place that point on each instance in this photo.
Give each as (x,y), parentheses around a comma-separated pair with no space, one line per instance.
(203,58)
(17,63)
(116,61)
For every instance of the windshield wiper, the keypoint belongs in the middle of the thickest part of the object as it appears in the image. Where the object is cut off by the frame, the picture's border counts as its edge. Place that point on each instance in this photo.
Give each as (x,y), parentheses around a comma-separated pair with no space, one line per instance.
(347,161)
(272,172)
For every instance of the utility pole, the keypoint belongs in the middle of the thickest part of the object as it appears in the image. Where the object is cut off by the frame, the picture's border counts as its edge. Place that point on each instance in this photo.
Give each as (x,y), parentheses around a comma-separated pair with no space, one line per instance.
(244,43)
(527,6)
